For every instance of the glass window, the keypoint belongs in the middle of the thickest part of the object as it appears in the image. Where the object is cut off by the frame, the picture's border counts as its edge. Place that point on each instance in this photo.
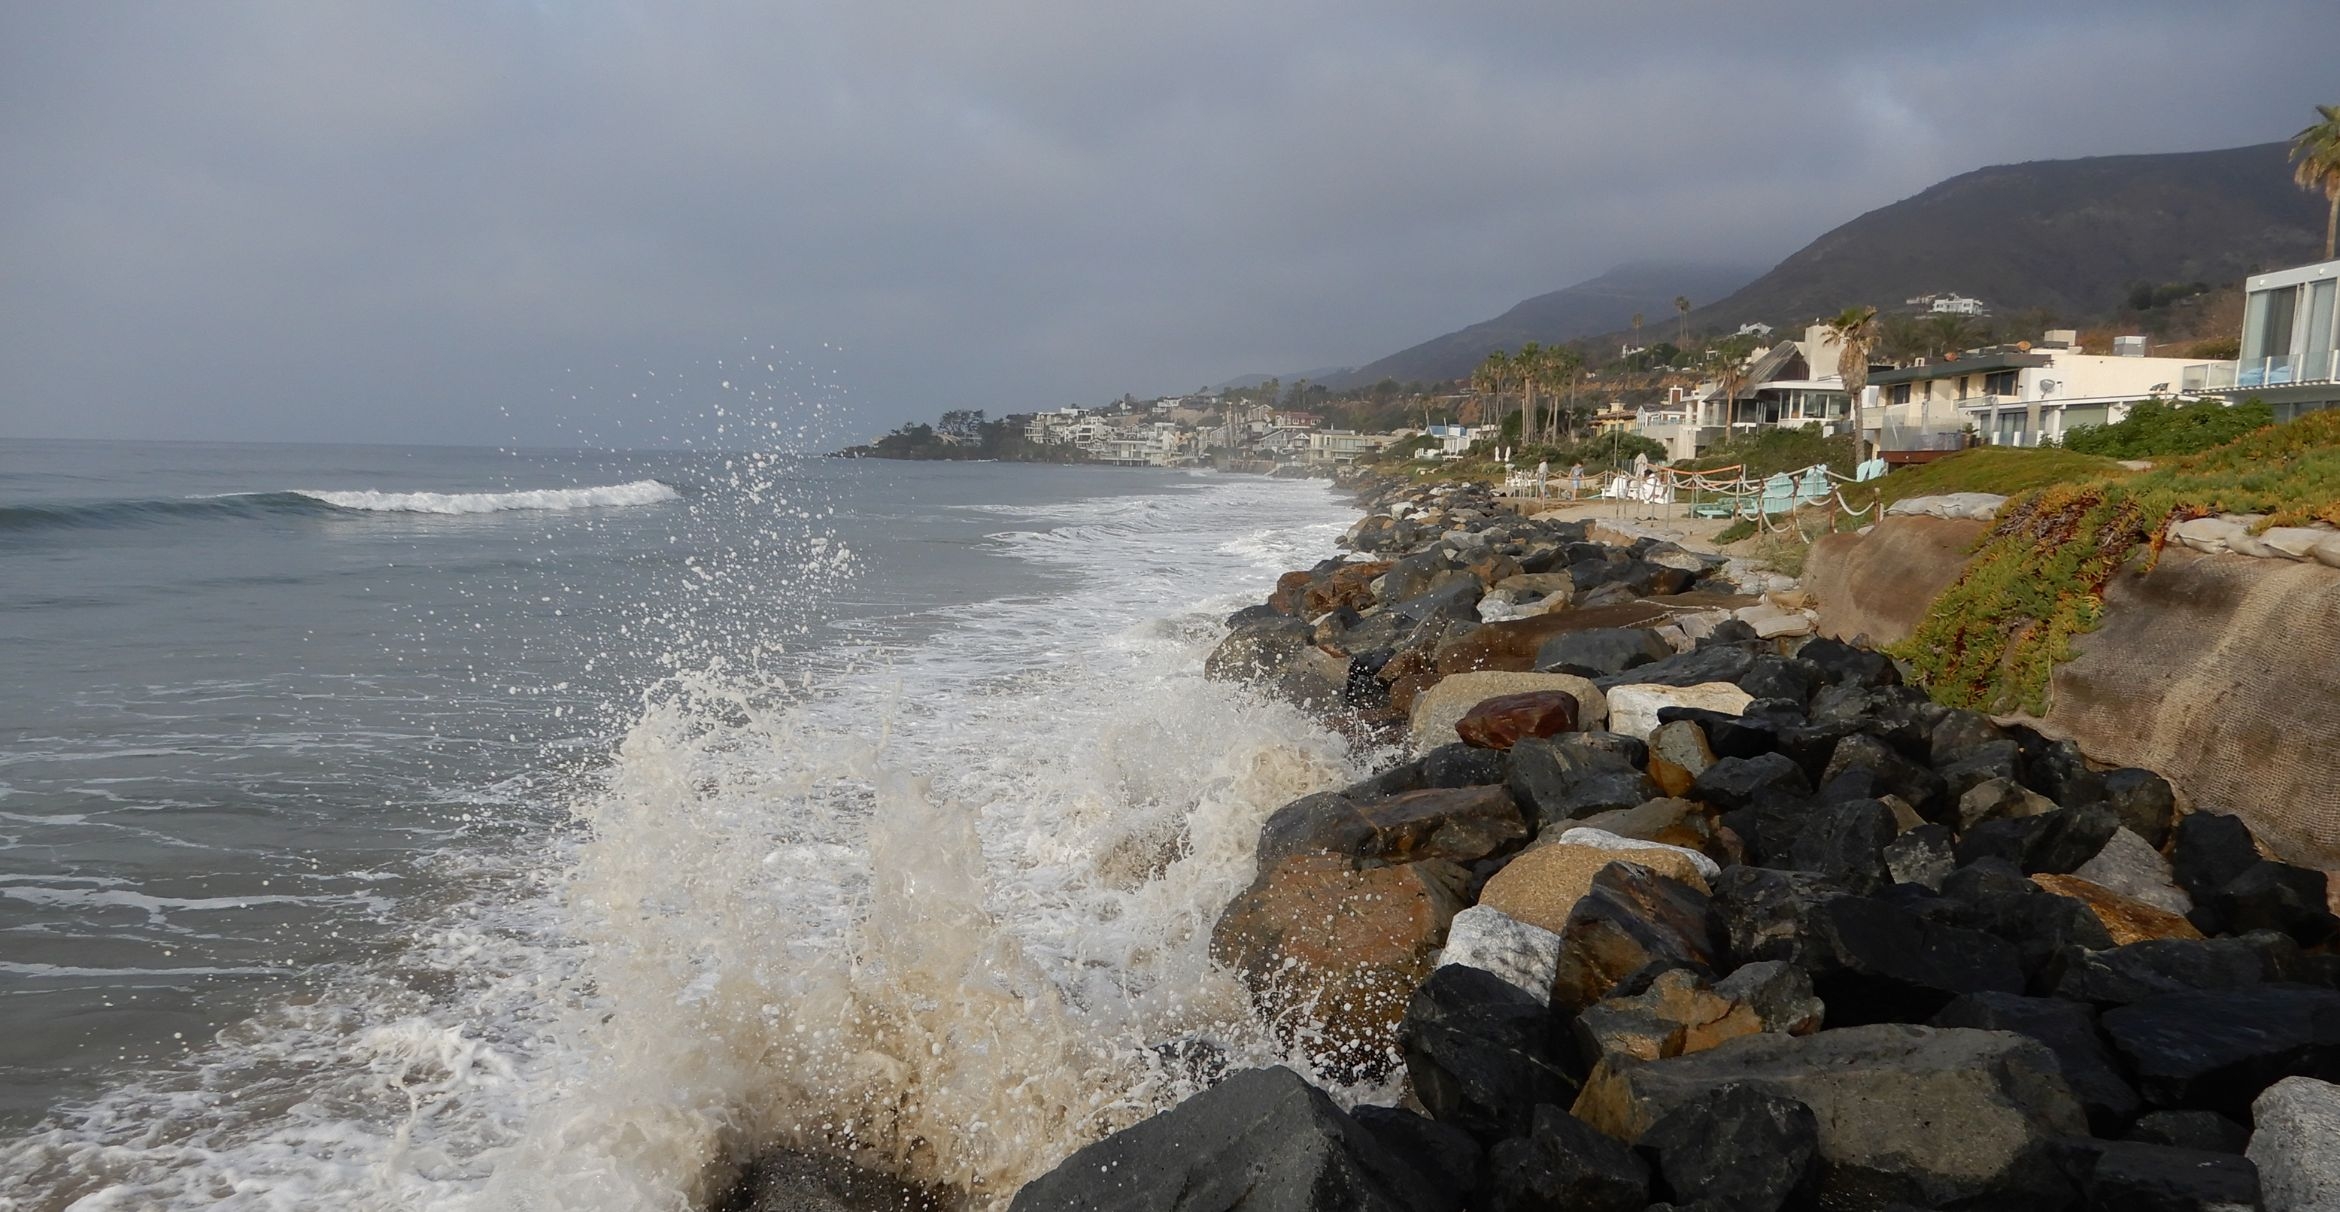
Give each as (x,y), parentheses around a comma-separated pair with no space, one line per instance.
(2319,329)
(1999,383)
(2274,327)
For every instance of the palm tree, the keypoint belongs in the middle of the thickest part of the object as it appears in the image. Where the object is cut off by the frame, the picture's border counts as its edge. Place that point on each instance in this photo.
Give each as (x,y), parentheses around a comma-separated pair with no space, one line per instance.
(1682,306)
(1492,376)
(1948,332)
(1636,330)
(1527,369)
(1855,329)
(1562,365)
(1901,338)
(2316,154)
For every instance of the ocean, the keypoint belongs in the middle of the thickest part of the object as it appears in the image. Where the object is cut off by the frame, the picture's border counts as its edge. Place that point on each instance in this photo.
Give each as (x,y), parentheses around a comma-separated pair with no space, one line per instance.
(460,828)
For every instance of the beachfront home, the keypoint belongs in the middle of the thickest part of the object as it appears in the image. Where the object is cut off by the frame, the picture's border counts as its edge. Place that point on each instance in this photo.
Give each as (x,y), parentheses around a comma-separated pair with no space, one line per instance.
(2290,343)
(2013,395)
(1793,385)
(1340,447)
(1455,440)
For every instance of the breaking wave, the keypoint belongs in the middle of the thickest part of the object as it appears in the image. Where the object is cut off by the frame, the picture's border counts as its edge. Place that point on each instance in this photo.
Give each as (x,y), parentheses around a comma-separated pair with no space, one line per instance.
(637,492)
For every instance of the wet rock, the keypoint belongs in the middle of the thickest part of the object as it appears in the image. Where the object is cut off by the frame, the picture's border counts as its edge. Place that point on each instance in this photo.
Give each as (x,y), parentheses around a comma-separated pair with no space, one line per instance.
(1846,842)
(1261,1139)
(2130,865)
(2209,849)
(1449,1157)
(2298,1120)
(1740,1149)
(1996,897)
(1542,885)
(1631,919)
(1317,940)
(1349,587)
(1714,661)
(1460,765)
(1772,677)
(1864,767)
(1290,590)
(1883,1097)
(1257,650)
(1456,599)
(1482,1054)
(2067,1029)
(1924,856)
(1523,955)
(1733,783)
(1435,711)
(1460,824)
(2144,802)
(1633,709)
(1564,1164)
(2131,1176)
(2215,1050)
(2272,896)
(1684,823)
(1412,576)
(1562,781)
(2125,919)
(2137,972)
(1505,720)
(2054,842)
(2206,1131)
(1601,651)
(784,1180)
(1253,614)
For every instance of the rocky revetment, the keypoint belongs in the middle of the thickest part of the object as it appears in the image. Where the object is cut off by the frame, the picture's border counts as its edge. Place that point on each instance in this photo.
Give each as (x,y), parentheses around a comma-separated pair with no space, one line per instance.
(1662,901)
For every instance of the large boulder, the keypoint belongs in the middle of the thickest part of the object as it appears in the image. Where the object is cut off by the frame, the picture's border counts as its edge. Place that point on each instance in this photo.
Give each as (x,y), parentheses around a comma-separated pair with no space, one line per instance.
(1336,950)
(1929,1117)
(2135,972)
(1876,961)
(1566,778)
(2215,1050)
(2126,919)
(2133,1176)
(1261,1141)
(1682,1012)
(1741,1149)
(1678,754)
(2132,867)
(1439,708)
(1257,650)
(1523,955)
(1482,1054)
(1460,824)
(2068,1029)
(1564,1164)
(2298,1125)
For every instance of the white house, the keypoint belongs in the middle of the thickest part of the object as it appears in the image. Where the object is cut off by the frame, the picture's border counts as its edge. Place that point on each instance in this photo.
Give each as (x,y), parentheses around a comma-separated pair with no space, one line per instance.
(1340,447)
(2020,395)
(2290,343)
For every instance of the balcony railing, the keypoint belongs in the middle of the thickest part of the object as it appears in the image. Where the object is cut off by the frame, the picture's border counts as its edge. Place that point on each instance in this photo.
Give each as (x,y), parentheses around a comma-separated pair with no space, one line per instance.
(2287,369)
(1922,437)
(2207,376)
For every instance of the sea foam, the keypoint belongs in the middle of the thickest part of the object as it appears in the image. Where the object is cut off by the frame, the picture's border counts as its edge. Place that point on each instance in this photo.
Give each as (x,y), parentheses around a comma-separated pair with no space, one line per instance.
(637,492)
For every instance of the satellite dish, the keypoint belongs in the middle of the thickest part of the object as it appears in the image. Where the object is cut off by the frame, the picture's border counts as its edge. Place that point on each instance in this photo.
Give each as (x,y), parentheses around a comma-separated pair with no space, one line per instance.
(2047,387)
(2024,346)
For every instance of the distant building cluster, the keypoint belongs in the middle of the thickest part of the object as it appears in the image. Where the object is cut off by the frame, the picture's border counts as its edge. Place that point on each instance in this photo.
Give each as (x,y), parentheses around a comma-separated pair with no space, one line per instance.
(1189,431)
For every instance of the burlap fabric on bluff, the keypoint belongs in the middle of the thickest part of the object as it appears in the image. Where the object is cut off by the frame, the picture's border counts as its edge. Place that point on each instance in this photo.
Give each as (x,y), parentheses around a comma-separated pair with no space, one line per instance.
(2220,672)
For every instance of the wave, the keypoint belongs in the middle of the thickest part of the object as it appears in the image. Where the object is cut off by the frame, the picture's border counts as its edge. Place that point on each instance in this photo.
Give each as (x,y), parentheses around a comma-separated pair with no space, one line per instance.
(636,492)
(322,503)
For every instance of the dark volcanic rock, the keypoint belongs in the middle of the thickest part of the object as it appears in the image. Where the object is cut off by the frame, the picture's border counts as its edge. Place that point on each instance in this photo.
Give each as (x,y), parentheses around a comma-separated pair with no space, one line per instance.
(2132,1176)
(1460,765)
(2144,802)
(2054,842)
(1774,915)
(1482,1053)
(2216,1050)
(1559,781)
(1846,842)
(1448,1156)
(1772,677)
(1263,1139)
(1924,856)
(1740,1149)
(1884,963)
(784,1180)
(2208,850)
(1631,920)
(2068,1029)
(2271,896)
(1995,897)
(1507,719)
(1863,767)
(2119,976)
(1929,1117)
(2207,1131)
(1842,664)
(1711,662)
(1601,651)
(1564,1164)
(1736,782)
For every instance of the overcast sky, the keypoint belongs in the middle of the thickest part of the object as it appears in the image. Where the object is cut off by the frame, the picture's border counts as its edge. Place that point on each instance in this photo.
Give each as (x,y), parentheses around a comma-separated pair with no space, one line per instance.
(484,221)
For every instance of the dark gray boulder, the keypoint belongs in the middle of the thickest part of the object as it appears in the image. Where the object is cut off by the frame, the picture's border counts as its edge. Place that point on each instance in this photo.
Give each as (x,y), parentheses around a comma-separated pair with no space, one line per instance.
(1560,781)
(2207,1131)
(1864,767)
(2120,976)
(2055,843)
(1459,824)
(1460,765)
(1257,650)
(1880,962)
(1261,1141)
(1846,842)
(2207,850)
(2133,1176)
(1842,664)
(1738,782)
(1925,856)
(1482,1054)
(1740,1149)
(1563,1164)
(2215,1050)
(1710,662)
(2143,800)
(2269,895)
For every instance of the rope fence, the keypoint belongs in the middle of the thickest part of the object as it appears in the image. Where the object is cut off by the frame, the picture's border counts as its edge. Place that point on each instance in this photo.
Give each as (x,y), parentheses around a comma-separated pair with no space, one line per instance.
(1720,492)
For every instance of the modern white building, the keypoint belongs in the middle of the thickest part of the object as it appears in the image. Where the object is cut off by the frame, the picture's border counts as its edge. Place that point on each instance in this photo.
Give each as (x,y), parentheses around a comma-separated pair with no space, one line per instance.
(1341,447)
(2290,343)
(2020,395)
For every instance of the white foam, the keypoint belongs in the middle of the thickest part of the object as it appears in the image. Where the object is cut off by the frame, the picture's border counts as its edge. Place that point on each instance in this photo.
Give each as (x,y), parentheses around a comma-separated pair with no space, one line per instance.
(637,492)
(940,910)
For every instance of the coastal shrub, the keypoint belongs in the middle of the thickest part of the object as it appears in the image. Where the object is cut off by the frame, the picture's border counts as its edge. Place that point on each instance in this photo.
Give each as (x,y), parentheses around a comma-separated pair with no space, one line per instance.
(2000,470)
(2036,579)
(2156,428)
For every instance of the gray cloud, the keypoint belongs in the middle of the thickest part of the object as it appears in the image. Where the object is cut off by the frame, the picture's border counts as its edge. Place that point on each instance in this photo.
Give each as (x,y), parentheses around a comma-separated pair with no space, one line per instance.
(442,221)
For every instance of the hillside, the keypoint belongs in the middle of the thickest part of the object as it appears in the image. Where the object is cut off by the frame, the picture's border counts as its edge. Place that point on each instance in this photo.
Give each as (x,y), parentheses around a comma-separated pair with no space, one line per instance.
(1599,305)
(2070,236)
